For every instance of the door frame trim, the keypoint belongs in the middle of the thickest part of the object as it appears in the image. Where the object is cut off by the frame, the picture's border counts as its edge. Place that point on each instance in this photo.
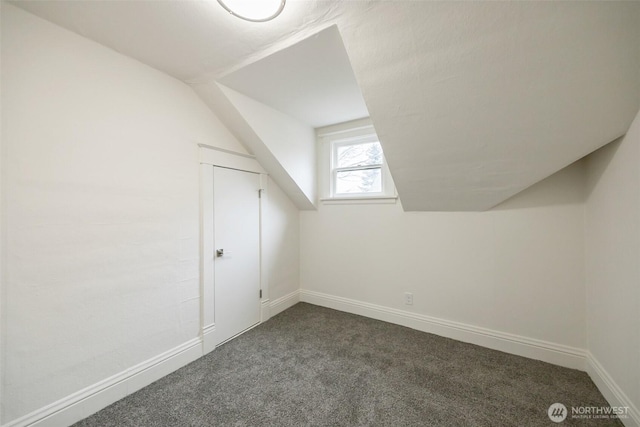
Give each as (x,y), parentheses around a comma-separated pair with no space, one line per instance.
(210,157)
(229,159)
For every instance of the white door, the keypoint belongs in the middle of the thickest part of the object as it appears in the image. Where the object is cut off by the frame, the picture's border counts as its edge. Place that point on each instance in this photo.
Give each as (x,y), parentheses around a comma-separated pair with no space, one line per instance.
(236,206)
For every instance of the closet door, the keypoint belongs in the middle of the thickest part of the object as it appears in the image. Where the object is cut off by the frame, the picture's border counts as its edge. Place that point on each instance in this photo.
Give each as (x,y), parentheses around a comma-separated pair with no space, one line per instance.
(236,207)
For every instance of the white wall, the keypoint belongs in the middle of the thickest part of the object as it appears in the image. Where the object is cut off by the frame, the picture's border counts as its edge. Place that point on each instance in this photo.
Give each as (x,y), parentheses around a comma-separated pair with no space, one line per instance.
(516,269)
(2,233)
(291,142)
(100,180)
(613,262)
(100,244)
(282,239)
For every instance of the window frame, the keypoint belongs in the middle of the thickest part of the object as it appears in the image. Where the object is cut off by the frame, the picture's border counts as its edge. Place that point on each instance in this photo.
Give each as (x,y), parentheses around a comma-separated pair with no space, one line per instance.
(352,133)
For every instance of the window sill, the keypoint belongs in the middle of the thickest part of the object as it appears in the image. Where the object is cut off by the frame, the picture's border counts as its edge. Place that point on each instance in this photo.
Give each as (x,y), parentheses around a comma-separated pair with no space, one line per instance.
(359,200)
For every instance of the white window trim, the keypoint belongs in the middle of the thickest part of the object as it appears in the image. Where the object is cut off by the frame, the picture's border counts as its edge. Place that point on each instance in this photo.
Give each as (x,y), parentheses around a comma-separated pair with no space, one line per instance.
(359,131)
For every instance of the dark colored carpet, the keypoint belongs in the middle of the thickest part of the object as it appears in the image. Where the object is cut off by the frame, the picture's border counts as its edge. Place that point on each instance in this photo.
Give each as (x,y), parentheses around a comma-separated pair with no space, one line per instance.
(311,366)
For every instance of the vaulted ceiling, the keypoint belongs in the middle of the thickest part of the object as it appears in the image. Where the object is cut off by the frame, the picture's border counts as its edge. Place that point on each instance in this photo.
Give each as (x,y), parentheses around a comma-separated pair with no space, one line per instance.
(473,101)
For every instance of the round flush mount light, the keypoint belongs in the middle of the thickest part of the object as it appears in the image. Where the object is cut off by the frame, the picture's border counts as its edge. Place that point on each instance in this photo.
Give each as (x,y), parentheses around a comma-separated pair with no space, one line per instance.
(253,10)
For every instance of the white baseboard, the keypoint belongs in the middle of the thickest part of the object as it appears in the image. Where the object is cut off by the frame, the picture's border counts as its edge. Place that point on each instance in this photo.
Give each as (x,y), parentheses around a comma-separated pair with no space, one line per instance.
(281,304)
(83,403)
(90,400)
(208,338)
(265,310)
(611,391)
(557,354)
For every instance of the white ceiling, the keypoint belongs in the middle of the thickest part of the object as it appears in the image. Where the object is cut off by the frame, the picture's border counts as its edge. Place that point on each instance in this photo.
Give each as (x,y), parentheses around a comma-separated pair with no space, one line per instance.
(472,101)
(311,80)
(192,40)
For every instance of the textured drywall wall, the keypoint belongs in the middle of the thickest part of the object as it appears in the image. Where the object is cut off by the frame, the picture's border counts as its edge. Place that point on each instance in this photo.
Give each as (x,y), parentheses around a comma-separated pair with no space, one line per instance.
(475,101)
(101,188)
(613,260)
(518,268)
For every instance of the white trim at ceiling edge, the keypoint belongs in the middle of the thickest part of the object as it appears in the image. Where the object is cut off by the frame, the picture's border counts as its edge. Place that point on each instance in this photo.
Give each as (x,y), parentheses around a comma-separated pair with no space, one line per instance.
(556,354)
(90,400)
(611,391)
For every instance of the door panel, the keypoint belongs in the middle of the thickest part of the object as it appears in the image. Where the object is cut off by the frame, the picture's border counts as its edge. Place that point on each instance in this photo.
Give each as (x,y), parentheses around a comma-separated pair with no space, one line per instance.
(236,207)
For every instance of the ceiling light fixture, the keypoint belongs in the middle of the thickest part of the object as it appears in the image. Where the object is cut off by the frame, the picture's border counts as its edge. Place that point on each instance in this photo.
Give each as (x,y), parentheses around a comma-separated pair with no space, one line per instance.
(253,10)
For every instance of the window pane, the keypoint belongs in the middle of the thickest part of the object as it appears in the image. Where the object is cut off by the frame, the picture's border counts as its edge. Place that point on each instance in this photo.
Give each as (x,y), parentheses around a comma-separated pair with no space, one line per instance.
(368,153)
(359,181)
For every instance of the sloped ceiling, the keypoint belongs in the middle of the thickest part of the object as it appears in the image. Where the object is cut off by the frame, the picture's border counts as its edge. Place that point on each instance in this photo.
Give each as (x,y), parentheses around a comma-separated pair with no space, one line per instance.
(282,98)
(259,128)
(484,99)
(311,80)
(473,102)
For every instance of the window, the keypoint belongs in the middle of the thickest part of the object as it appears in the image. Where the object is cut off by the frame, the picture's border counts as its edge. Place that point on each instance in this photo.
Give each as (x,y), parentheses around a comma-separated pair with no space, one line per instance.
(352,165)
(356,168)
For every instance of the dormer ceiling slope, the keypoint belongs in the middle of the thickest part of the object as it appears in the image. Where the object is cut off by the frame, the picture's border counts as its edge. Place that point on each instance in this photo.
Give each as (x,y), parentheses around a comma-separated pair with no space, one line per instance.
(478,101)
(473,101)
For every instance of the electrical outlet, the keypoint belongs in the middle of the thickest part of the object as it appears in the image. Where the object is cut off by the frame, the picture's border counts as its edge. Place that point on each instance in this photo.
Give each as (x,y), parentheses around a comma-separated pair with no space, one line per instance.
(408,298)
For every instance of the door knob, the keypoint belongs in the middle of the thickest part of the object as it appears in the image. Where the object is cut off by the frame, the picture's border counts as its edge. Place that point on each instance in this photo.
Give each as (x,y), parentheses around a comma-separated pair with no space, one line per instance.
(219,252)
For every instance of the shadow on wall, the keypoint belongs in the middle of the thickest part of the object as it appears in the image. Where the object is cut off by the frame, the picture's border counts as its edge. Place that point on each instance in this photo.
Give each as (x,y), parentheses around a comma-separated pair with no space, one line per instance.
(596,169)
(565,187)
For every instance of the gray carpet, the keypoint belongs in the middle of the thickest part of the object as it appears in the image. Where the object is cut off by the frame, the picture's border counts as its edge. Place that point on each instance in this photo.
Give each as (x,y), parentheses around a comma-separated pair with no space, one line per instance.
(311,366)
